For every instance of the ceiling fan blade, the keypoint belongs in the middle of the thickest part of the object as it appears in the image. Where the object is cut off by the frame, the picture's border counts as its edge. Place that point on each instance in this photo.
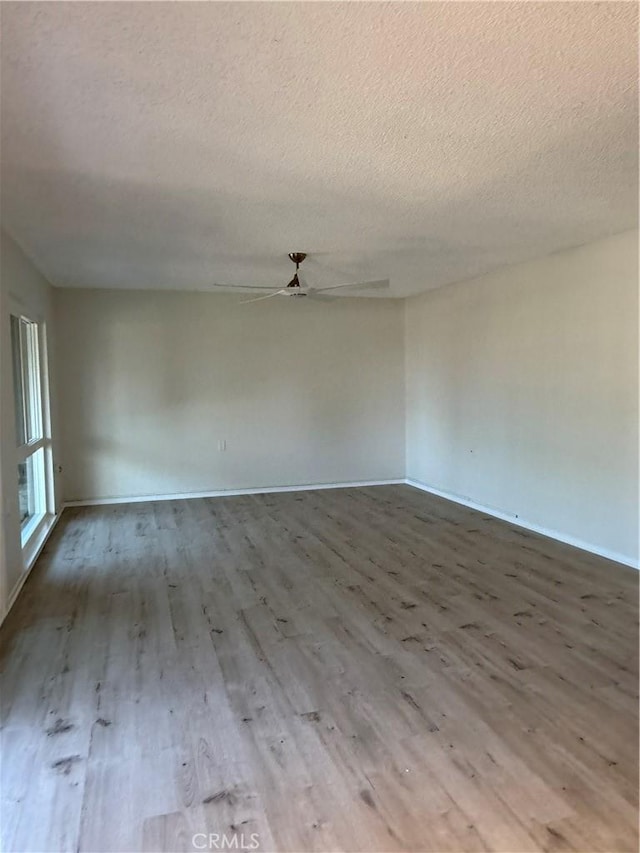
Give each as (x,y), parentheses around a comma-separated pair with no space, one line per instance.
(312,293)
(260,298)
(242,286)
(380,284)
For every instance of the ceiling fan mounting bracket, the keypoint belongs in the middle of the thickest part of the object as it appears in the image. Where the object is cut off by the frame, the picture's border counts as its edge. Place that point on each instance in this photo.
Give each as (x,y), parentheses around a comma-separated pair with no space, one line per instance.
(297,257)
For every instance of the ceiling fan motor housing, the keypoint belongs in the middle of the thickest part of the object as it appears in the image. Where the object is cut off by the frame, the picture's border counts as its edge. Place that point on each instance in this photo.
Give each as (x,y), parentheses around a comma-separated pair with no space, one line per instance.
(293,288)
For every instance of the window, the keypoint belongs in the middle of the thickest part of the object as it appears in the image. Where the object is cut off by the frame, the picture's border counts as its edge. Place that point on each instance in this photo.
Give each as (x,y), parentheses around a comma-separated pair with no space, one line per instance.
(34,462)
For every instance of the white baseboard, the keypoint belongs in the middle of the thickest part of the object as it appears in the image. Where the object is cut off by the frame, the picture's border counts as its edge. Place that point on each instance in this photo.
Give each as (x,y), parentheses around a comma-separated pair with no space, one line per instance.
(15,592)
(221,493)
(519,522)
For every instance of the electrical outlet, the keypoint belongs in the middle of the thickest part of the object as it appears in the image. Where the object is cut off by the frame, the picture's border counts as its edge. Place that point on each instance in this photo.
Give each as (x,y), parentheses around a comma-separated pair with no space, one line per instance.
(222,444)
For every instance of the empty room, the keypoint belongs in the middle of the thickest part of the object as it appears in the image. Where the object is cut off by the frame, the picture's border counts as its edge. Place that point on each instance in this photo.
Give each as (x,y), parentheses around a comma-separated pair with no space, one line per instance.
(319,427)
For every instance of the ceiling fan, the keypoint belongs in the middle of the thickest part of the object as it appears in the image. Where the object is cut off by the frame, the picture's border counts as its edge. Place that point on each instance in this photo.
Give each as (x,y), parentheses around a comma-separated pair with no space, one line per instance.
(298,288)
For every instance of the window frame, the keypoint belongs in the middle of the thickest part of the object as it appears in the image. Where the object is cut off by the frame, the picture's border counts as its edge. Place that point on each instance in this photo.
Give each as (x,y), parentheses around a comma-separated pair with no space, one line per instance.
(35,435)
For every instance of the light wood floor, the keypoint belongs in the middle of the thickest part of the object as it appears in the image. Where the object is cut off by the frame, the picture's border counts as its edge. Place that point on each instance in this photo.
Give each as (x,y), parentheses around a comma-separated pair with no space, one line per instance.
(371,669)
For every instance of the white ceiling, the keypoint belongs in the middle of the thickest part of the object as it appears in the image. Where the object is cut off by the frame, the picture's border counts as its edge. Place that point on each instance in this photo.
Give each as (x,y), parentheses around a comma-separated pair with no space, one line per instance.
(169,145)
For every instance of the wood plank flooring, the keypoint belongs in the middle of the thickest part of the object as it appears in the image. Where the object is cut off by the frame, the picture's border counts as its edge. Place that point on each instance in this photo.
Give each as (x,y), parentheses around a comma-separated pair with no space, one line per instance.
(366,669)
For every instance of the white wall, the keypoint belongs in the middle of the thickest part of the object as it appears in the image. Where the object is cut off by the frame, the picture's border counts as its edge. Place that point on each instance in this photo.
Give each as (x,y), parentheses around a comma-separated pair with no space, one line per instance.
(302,392)
(23,289)
(522,392)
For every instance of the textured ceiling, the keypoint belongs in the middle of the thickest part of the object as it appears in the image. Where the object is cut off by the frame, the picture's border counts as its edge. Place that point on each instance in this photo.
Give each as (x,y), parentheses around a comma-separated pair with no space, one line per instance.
(169,145)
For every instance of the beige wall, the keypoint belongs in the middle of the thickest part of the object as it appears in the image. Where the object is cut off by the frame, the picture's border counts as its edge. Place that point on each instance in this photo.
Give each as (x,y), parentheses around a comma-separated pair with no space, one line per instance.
(522,392)
(302,392)
(24,290)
